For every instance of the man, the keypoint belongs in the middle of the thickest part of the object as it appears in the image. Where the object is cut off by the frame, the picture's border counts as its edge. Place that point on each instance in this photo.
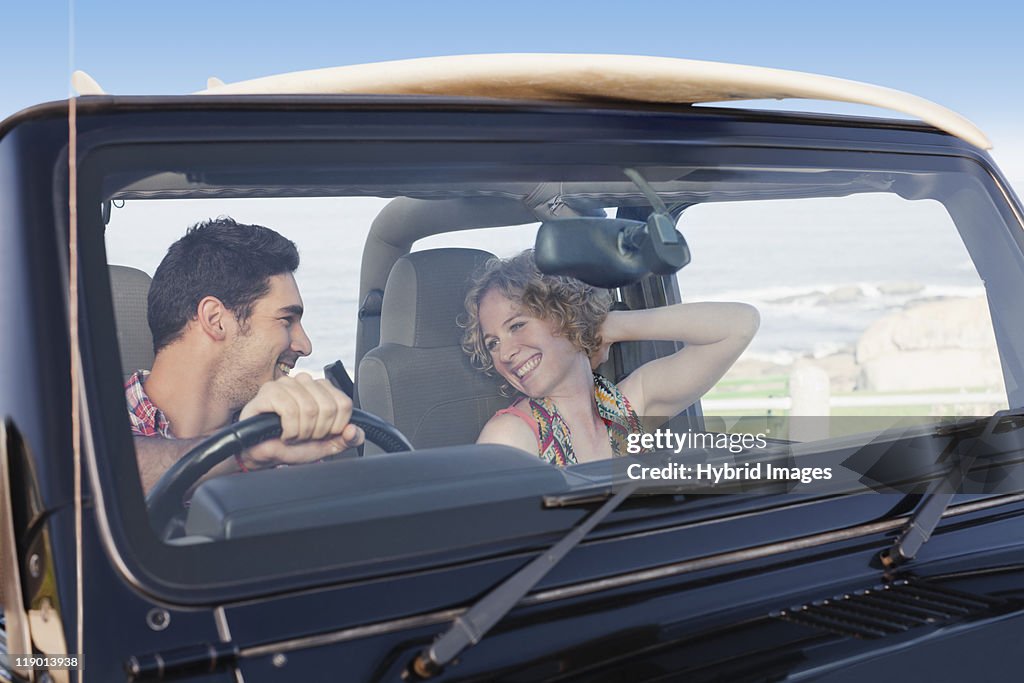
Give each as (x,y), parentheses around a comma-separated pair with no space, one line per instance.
(226,318)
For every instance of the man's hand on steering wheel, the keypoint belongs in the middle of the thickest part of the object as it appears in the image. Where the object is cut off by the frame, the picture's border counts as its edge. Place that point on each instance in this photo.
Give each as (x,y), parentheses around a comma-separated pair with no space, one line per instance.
(164,500)
(314,422)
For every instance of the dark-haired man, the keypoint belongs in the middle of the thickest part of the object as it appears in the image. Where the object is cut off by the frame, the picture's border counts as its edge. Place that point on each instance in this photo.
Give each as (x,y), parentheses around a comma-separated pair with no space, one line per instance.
(226,318)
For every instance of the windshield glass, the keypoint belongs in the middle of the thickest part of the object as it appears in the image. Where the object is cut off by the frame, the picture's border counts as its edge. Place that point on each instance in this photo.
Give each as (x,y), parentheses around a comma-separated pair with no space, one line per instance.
(820,307)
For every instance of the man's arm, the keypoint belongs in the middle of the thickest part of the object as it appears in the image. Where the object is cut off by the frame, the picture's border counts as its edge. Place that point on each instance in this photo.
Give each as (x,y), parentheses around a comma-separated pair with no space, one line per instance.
(156,455)
(314,424)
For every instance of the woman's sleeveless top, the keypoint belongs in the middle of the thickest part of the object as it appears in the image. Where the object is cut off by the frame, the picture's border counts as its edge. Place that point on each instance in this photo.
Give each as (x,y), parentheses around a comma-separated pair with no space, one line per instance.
(553,437)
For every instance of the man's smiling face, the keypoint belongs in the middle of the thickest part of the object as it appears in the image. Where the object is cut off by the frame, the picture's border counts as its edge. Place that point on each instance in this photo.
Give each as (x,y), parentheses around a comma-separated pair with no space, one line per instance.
(266,346)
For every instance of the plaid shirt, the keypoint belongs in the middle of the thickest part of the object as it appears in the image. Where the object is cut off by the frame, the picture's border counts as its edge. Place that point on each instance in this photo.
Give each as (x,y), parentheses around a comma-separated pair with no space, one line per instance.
(146,418)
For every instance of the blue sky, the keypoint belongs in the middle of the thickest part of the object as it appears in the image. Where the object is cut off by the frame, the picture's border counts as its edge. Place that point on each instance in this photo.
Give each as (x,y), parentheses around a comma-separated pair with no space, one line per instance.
(966,56)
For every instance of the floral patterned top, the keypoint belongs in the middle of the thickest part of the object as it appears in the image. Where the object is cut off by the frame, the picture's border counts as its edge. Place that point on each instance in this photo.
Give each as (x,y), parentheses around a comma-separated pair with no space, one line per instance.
(554,441)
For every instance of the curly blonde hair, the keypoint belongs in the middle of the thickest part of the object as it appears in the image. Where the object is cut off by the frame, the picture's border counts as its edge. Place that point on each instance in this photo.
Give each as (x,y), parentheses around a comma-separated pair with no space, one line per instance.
(576,308)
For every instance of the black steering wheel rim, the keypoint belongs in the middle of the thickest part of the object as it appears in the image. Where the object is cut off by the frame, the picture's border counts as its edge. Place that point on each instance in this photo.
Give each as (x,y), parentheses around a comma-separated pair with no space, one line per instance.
(164,500)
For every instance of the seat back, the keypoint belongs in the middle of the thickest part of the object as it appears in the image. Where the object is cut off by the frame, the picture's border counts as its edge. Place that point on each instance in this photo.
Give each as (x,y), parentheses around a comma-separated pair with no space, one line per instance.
(130,290)
(419,378)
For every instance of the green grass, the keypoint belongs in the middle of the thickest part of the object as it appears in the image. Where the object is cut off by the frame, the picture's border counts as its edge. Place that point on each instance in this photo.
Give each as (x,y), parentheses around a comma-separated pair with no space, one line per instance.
(777,386)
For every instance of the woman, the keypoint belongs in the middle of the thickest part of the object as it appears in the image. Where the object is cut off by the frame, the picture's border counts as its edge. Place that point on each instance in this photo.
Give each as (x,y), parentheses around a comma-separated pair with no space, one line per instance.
(543,334)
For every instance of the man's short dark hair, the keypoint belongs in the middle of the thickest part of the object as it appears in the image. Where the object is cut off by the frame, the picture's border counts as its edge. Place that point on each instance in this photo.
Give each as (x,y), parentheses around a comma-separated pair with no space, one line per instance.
(220,258)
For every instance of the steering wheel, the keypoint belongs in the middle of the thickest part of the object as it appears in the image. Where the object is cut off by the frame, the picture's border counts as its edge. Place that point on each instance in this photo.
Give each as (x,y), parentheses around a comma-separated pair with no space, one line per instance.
(164,500)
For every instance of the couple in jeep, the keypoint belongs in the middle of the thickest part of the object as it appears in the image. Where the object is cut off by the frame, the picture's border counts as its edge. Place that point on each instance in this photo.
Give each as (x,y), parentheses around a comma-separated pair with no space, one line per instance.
(226,318)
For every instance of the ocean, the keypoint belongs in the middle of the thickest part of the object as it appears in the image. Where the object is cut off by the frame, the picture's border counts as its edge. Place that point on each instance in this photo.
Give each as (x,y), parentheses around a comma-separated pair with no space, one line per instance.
(819,271)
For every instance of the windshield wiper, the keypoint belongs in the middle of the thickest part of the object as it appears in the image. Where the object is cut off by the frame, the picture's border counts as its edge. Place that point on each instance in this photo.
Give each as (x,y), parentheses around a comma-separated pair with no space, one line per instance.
(928,513)
(469,627)
(647,489)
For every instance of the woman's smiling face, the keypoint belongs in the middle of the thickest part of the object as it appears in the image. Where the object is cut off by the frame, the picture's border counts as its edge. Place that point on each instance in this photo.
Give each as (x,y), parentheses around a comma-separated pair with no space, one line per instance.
(525,350)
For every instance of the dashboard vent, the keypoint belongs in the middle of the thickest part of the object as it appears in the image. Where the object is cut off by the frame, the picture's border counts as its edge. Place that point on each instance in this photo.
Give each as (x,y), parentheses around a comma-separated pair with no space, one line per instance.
(891,608)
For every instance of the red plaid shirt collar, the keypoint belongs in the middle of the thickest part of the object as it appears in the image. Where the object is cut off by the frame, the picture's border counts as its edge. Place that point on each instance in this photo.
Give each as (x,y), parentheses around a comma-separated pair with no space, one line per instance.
(146,418)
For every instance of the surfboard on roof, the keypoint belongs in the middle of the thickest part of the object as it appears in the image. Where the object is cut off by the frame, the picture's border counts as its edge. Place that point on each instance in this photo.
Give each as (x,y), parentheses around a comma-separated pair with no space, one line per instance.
(590,78)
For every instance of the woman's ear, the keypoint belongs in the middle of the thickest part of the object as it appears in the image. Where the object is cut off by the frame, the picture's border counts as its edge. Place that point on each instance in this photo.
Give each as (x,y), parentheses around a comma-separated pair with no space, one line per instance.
(213,317)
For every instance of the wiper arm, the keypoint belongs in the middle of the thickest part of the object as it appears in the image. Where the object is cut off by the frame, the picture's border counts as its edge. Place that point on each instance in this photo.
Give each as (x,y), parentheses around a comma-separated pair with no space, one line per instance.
(926,517)
(469,627)
(599,494)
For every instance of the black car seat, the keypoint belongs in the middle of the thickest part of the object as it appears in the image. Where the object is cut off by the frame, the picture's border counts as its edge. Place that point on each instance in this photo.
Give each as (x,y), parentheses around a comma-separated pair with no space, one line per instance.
(419,378)
(130,289)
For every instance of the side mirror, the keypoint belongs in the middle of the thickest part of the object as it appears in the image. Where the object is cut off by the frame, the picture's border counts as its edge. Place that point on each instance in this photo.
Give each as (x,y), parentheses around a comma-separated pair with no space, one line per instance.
(610,252)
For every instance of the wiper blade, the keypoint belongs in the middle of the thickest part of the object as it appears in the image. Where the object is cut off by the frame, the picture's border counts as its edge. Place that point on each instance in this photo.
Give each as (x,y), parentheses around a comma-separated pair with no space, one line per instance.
(469,627)
(598,494)
(929,511)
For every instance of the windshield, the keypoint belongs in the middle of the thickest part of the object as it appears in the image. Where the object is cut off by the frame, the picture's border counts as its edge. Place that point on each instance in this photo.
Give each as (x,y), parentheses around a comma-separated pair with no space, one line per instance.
(868,281)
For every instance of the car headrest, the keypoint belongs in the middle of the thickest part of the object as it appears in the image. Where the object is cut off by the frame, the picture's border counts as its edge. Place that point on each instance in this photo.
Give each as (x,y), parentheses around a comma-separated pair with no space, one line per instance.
(424,296)
(130,289)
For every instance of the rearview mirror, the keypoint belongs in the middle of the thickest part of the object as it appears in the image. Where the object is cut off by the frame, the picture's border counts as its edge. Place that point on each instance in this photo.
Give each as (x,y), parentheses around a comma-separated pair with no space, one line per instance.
(610,252)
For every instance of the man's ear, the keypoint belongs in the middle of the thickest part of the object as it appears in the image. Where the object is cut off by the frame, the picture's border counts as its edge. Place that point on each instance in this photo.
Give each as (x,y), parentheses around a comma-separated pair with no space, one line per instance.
(213,318)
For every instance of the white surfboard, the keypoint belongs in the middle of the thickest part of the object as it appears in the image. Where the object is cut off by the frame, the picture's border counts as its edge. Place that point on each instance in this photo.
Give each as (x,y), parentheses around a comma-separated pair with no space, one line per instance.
(599,78)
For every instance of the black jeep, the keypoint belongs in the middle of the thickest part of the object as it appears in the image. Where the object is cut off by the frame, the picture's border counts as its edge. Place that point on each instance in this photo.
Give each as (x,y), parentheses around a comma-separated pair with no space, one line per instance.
(886,258)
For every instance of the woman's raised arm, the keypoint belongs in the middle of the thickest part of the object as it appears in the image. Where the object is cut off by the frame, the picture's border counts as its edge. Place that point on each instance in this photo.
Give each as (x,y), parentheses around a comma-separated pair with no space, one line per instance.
(714,334)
